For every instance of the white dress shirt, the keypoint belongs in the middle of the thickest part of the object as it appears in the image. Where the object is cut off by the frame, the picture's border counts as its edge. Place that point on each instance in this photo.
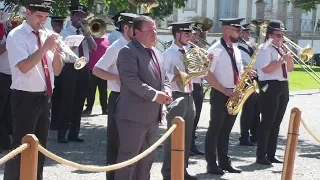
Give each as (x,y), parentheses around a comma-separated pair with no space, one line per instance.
(71,30)
(113,36)
(245,56)
(264,58)
(4,61)
(108,62)
(221,66)
(21,43)
(173,57)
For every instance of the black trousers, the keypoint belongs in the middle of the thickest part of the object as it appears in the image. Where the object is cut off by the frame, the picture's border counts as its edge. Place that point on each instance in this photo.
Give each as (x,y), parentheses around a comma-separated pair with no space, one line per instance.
(75,84)
(5,111)
(273,106)
(198,100)
(30,115)
(220,126)
(56,101)
(95,81)
(112,134)
(250,118)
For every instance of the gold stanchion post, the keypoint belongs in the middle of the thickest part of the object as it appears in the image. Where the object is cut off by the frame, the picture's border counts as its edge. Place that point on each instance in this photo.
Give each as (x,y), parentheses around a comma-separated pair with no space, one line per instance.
(177,150)
(291,146)
(29,158)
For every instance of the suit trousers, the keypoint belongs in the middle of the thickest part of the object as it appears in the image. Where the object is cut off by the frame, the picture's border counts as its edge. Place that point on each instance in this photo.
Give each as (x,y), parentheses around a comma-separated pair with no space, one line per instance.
(5,111)
(112,134)
(250,117)
(95,81)
(198,101)
(273,106)
(30,115)
(135,137)
(186,110)
(75,83)
(220,126)
(56,101)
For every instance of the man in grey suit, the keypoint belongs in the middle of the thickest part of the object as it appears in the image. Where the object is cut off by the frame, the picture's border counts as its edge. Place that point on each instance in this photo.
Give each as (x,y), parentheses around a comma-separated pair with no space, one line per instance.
(144,90)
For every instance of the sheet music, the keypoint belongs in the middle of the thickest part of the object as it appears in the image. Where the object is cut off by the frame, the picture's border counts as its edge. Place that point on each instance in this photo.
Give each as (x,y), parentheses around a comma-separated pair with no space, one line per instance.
(4,16)
(73,40)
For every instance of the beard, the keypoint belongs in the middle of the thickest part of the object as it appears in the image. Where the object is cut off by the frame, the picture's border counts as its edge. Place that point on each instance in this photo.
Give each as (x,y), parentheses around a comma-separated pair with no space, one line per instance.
(234,40)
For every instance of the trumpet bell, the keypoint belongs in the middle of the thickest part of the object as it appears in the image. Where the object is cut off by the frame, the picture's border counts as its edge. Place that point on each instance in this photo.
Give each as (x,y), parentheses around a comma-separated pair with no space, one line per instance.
(97,28)
(80,63)
(306,53)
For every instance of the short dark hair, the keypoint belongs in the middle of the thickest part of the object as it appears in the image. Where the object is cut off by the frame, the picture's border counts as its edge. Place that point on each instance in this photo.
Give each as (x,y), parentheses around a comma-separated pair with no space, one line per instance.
(122,24)
(269,31)
(138,22)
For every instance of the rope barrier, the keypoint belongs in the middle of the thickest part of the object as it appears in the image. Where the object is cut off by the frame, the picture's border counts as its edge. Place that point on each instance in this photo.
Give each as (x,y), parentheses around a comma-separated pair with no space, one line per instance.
(91,168)
(14,153)
(309,131)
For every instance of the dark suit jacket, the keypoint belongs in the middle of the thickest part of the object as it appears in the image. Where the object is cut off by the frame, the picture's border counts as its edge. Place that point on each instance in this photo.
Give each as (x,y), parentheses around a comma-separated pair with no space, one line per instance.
(139,82)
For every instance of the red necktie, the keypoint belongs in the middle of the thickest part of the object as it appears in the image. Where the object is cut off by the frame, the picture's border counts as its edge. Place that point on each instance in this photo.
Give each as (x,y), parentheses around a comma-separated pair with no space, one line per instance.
(45,67)
(283,65)
(190,85)
(150,52)
(235,72)
(80,48)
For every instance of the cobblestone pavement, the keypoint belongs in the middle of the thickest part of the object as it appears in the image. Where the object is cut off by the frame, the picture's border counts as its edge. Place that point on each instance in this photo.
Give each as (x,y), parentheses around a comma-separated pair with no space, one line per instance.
(92,151)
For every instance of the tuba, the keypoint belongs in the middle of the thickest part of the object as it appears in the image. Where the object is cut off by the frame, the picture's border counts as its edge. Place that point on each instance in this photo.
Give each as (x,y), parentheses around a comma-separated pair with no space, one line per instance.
(197,64)
(245,88)
(206,24)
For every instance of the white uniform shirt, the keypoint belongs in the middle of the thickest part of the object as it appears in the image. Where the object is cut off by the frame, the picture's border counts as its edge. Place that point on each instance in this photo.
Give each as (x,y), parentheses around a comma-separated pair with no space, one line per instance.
(221,65)
(113,36)
(71,30)
(173,57)
(245,56)
(21,43)
(108,62)
(4,61)
(264,58)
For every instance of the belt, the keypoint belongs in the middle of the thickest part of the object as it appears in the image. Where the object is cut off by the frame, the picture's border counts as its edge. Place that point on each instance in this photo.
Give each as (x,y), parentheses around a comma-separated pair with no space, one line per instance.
(43,93)
(115,92)
(182,93)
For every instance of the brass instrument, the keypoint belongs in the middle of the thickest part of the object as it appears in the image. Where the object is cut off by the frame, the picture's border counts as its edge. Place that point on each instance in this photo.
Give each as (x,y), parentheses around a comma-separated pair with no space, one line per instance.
(16,18)
(96,27)
(146,4)
(207,24)
(164,44)
(197,64)
(244,88)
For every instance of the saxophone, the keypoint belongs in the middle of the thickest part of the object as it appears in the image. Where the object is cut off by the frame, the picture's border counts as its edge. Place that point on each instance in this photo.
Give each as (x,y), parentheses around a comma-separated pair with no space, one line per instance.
(246,86)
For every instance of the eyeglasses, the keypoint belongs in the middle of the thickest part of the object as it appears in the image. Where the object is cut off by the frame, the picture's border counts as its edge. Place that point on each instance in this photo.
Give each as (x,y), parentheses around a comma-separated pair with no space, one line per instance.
(278,35)
(237,30)
(186,34)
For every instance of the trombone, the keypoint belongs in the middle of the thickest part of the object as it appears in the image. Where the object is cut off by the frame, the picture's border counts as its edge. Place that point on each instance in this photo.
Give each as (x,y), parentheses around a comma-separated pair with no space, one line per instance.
(304,55)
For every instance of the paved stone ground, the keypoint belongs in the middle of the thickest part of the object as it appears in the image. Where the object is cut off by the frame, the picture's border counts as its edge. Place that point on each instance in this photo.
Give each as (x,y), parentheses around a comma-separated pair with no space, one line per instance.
(92,151)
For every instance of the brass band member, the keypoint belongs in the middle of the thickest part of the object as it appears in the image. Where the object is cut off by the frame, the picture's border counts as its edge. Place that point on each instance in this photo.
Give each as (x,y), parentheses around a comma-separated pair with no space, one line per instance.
(223,77)
(33,67)
(106,69)
(273,65)
(57,26)
(75,82)
(173,56)
(250,116)
(116,34)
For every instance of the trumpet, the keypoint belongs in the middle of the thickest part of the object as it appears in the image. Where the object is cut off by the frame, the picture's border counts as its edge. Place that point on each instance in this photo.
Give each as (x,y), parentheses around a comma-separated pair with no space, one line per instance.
(66,53)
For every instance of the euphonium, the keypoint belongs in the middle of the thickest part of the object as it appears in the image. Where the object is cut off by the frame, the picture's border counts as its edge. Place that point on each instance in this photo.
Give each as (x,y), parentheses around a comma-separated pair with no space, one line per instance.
(196,62)
(96,27)
(244,88)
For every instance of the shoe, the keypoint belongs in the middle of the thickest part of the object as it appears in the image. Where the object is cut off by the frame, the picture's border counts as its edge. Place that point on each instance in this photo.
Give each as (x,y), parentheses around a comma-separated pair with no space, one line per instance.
(274,160)
(246,143)
(62,139)
(231,169)
(75,139)
(191,153)
(53,127)
(187,176)
(105,112)
(215,170)
(263,161)
(196,151)
(253,140)
(87,112)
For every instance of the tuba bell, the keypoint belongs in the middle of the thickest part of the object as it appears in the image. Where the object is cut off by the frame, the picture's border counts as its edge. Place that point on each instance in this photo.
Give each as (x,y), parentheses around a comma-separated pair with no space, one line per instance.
(206,25)
(197,64)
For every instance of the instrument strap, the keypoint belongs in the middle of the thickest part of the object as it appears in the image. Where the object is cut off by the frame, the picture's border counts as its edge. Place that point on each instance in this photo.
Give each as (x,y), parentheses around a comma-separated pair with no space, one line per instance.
(233,60)
(249,52)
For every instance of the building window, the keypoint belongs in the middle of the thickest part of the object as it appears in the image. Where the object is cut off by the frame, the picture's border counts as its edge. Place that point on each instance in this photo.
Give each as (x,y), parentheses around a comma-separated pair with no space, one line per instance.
(191,4)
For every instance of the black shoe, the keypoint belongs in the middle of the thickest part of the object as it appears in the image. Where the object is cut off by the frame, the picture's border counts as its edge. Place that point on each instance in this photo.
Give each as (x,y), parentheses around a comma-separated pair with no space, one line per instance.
(274,160)
(187,176)
(231,169)
(105,112)
(62,139)
(75,139)
(191,153)
(196,151)
(263,161)
(87,112)
(215,170)
(246,143)
(253,140)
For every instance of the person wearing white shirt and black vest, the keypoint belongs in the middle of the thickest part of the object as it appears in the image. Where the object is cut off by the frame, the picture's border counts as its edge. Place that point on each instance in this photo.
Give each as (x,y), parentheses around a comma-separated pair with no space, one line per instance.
(75,82)
(273,65)
(57,26)
(250,116)
(106,68)
(173,56)
(33,66)
(223,77)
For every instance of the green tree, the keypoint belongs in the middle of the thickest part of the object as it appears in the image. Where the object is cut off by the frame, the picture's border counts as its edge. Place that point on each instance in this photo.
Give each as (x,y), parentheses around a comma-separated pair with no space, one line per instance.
(306,5)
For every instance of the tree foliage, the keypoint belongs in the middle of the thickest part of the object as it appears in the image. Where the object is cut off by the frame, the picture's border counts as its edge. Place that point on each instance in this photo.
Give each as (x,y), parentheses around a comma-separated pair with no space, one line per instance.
(306,5)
